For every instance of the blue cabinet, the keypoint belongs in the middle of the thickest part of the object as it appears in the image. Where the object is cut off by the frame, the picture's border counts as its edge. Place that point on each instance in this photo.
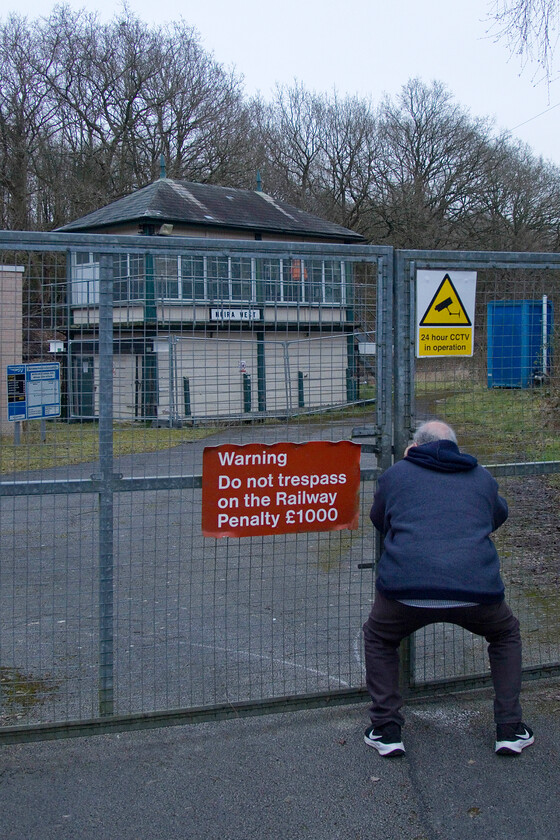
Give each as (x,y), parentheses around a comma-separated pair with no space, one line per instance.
(519,342)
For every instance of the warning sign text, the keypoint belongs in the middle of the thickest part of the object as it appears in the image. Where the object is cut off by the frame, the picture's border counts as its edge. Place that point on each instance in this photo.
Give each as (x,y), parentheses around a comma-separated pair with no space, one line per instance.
(445,342)
(445,308)
(254,489)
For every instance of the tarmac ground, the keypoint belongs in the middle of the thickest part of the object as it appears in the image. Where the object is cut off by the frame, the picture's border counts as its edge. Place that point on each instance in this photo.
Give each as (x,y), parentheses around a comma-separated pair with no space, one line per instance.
(297,775)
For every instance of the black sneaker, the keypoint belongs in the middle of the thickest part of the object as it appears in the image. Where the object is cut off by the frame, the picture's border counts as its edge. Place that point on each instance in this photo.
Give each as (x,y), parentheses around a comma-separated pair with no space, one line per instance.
(511,738)
(385,739)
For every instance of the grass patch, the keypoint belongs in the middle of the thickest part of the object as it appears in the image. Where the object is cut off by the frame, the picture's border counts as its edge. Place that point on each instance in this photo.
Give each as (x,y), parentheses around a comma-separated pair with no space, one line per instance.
(21,692)
(332,548)
(78,443)
(546,605)
(496,424)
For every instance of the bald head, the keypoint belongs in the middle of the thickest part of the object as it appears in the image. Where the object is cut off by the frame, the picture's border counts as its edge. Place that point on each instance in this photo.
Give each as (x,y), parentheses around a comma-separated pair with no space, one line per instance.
(432,431)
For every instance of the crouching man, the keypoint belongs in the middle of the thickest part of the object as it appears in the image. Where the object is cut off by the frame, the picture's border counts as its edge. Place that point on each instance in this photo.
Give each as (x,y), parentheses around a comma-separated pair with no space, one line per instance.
(436,510)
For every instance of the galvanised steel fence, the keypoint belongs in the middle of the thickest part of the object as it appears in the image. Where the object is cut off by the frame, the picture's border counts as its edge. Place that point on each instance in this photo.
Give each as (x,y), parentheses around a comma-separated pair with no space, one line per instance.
(115,611)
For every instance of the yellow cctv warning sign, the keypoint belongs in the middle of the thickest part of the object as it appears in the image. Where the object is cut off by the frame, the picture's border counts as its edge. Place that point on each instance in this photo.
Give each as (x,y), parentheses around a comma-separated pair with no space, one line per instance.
(446,307)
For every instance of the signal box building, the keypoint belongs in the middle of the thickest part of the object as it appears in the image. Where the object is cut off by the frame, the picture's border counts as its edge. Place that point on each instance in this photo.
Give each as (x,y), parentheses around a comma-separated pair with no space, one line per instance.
(211,332)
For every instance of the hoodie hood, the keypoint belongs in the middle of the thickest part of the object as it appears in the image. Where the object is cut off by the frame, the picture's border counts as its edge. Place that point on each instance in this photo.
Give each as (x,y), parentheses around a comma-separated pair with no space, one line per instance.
(442,456)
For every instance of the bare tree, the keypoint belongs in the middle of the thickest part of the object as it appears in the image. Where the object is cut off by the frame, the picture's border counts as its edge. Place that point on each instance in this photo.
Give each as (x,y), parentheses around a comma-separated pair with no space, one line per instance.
(87,108)
(198,118)
(317,151)
(350,148)
(26,115)
(291,133)
(531,28)
(518,207)
(97,75)
(429,168)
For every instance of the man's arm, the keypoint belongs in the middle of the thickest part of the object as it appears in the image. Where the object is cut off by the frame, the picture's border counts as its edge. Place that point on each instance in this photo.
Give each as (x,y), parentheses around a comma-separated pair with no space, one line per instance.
(377,512)
(500,512)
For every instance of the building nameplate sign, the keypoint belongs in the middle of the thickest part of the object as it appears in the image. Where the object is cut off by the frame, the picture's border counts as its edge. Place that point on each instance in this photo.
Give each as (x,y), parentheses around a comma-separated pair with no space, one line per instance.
(235,314)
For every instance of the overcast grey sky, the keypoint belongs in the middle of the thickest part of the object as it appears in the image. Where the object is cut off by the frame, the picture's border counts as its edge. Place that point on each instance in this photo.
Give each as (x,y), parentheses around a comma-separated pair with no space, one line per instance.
(364,47)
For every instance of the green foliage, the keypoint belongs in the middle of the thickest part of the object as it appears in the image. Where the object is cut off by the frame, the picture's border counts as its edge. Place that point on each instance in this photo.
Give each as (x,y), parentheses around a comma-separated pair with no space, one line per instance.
(496,424)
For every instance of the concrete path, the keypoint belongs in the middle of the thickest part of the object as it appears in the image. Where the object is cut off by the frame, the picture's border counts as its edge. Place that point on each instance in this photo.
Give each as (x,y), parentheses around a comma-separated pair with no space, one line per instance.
(293,776)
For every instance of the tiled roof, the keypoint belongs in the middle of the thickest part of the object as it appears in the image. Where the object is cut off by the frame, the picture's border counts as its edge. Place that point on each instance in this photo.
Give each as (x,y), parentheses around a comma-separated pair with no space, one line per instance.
(169,201)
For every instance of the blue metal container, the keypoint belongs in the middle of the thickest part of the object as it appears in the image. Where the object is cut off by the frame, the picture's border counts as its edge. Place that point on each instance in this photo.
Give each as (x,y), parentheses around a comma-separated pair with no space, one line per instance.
(519,342)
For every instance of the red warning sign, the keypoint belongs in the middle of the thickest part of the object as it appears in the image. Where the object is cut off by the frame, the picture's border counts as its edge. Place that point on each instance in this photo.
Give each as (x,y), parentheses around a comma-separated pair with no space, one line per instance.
(257,489)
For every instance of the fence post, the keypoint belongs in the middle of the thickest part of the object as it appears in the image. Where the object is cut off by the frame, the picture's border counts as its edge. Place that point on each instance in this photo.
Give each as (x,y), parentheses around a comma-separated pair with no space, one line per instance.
(106,491)
(403,389)
(384,359)
(187,395)
(300,390)
(404,352)
(261,371)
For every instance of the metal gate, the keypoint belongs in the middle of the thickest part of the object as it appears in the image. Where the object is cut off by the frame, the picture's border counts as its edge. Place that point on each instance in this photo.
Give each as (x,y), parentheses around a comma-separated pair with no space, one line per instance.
(503,402)
(115,611)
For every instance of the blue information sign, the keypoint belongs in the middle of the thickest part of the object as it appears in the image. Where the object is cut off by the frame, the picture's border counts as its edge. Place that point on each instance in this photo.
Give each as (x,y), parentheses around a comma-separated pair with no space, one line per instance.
(33,391)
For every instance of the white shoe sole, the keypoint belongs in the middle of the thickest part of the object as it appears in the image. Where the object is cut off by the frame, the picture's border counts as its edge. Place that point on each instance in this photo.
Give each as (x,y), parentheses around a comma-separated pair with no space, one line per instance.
(387,750)
(513,747)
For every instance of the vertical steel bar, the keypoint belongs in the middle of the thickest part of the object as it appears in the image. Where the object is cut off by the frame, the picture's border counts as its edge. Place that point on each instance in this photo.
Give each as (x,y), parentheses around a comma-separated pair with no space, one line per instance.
(259,338)
(106,492)
(68,348)
(171,342)
(261,371)
(403,356)
(402,389)
(412,320)
(351,379)
(384,358)
(150,314)
(544,336)
(408,664)
(287,379)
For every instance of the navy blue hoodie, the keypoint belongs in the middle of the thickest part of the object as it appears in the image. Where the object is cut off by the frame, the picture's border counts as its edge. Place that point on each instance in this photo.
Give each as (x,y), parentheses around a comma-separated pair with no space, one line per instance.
(436,509)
